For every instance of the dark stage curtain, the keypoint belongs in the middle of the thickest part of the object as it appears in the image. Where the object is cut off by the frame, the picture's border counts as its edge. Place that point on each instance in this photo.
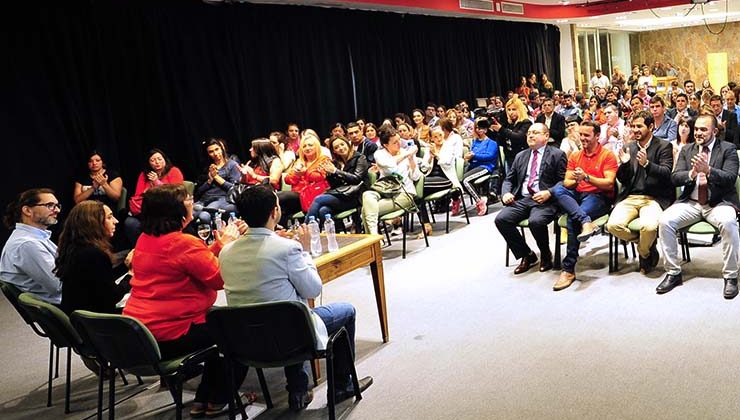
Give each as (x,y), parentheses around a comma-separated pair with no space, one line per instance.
(125,76)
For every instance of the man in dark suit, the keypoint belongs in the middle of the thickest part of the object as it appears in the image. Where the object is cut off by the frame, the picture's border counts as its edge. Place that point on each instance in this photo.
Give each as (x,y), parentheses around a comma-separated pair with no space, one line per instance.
(645,174)
(727,120)
(526,194)
(707,170)
(361,143)
(554,121)
(682,109)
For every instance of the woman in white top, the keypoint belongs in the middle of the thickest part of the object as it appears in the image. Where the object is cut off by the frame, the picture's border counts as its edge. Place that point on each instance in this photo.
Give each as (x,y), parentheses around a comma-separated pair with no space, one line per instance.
(390,159)
(454,142)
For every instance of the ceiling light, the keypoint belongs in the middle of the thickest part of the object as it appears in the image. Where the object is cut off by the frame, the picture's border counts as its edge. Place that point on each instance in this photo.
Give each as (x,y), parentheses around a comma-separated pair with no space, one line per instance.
(562,21)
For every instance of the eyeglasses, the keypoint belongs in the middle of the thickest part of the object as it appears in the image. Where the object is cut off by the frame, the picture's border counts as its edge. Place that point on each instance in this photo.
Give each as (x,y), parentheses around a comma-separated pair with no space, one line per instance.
(534,133)
(51,206)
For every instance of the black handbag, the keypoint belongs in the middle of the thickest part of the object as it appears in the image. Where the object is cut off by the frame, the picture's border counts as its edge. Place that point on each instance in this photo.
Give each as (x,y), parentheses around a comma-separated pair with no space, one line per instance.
(347,191)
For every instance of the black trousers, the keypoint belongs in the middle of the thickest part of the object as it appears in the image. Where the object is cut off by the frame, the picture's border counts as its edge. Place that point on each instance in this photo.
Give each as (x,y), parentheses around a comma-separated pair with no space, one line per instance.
(432,184)
(213,386)
(290,203)
(539,216)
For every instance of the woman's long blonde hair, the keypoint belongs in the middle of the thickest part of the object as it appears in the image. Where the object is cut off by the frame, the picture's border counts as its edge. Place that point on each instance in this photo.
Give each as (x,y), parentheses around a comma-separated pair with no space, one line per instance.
(520,107)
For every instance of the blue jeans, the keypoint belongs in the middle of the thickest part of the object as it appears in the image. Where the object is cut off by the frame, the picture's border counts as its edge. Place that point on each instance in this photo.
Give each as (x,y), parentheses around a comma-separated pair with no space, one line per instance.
(335,316)
(581,208)
(220,203)
(328,204)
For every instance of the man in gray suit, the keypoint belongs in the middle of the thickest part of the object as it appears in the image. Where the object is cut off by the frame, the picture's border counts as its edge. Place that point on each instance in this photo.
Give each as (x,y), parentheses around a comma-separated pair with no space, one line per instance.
(707,170)
(262,266)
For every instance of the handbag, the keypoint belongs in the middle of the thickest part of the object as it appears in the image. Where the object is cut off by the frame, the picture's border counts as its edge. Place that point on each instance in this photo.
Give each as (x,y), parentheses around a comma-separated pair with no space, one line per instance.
(347,191)
(236,191)
(388,186)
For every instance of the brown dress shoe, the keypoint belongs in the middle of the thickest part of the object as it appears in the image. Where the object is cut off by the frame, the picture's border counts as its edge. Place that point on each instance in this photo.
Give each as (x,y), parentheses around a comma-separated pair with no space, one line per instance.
(588,230)
(525,264)
(565,280)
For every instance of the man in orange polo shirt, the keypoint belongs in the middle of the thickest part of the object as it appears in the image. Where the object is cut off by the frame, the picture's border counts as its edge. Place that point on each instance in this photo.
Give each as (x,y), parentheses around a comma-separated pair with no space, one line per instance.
(585,195)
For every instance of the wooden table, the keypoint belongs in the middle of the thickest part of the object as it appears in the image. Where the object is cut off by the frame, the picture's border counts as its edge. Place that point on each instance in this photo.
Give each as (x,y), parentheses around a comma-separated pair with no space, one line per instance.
(356,251)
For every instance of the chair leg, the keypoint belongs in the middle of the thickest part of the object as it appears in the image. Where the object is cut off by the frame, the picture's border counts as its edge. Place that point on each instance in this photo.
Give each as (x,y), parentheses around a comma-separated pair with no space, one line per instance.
(403,229)
(634,255)
(557,264)
(611,253)
(447,218)
(67,383)
(624,245)
(112,397)
(431,211)
(465,209)
(51,373)
(331,403)
(123,377)
(139,380)
(686,246)
(263,385)
(100,388)
(56,369)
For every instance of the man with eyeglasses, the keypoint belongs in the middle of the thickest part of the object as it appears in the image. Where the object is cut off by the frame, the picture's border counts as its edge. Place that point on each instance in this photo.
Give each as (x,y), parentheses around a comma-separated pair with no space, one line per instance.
(27,259)
(527,193)
(645,173)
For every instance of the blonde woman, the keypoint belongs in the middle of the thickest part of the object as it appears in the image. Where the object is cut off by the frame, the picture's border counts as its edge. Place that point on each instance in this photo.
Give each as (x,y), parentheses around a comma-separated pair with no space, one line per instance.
(512,132)
(307,177)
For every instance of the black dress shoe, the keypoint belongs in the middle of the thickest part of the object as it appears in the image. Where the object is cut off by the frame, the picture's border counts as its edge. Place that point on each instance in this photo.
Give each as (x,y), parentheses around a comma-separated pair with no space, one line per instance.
(545,263)
(525,264)
(730,288)
(668,283)
(342,395)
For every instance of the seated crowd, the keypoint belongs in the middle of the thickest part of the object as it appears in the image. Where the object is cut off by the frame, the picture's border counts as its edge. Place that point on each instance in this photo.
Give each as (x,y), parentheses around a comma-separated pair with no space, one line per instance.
(624,153)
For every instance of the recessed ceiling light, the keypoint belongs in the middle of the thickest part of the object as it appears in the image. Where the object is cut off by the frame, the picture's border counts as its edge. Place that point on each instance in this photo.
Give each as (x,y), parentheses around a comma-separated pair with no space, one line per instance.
(621,17)
(562,21)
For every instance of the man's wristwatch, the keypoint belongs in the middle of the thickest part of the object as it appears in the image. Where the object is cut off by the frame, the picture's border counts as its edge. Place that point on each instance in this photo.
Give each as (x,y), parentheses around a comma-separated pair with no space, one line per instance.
(587,178)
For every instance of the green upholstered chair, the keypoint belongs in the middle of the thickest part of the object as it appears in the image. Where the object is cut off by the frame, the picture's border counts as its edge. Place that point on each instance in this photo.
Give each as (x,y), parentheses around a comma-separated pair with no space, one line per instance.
(123,342)
(275,334)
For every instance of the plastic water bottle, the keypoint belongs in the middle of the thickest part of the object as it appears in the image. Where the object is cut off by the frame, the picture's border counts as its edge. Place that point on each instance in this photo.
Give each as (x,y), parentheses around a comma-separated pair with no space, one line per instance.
(315,232)
(331,233)
(232,218)
(219,219)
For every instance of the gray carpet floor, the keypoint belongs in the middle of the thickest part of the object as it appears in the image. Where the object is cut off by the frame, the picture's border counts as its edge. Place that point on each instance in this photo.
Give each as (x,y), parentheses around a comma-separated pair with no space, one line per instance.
(469,340)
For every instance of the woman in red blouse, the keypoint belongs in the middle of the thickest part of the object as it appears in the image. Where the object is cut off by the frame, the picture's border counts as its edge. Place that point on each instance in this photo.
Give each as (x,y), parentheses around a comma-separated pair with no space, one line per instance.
(158,170)
(264,166)
(175,280)
(307,177)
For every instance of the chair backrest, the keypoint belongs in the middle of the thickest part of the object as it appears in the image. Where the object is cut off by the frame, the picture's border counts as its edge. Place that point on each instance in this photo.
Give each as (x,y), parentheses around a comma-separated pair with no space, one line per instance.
(12,293)
(264,334)
(419,184)
(189,186)
(372,177)
(122,341)
(460,168)
(53,321)
(122,200)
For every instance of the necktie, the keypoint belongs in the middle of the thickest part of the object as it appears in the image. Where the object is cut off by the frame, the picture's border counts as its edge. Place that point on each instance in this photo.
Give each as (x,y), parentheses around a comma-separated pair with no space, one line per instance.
(532,173)
(701,180)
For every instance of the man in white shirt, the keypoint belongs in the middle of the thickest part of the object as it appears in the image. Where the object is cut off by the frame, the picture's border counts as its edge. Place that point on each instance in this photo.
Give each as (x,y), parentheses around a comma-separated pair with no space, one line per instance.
(27,260)
(262,266)
(598,81)
(613,133)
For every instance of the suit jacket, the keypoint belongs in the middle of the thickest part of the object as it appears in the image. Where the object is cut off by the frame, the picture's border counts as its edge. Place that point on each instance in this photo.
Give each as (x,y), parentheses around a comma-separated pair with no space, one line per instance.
(671,113)
(557,126)
(724,163)
(263,267)
(658,170)
(552,171)
(732,131)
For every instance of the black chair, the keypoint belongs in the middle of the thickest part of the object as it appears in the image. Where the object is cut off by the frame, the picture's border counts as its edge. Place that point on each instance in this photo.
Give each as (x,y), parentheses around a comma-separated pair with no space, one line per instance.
(56,325)
(123,342)
(12,293)
(274,334)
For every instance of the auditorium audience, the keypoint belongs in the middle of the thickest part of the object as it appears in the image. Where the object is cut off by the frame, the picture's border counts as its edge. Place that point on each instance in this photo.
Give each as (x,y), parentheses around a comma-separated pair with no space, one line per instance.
(157,170)
(216,181)
(84,262)
(346,176)
(98,182)
(279,142)
(27,260)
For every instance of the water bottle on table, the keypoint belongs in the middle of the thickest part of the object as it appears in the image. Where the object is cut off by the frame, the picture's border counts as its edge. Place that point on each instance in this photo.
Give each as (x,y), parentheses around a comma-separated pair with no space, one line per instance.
(315,232)
(331,234)
(232,218)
